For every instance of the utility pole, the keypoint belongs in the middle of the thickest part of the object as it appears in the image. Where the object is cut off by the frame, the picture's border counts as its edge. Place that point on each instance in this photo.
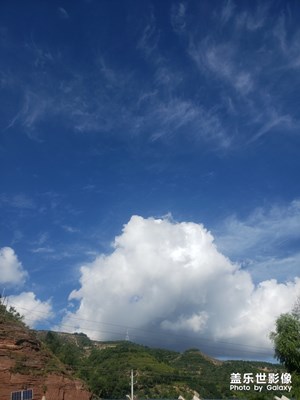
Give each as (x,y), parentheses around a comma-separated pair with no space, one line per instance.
(131,385)
(2,297)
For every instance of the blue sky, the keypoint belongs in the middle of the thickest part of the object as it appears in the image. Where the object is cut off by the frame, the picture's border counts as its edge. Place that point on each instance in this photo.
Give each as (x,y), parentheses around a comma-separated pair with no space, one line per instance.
(119,117)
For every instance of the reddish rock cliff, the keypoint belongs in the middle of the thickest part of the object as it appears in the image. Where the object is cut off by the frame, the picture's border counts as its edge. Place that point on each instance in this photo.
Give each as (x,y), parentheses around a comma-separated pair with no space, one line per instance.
(25,364)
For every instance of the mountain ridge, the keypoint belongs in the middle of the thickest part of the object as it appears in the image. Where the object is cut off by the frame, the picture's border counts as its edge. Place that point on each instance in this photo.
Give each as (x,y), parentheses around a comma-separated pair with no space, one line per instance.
(106,366)
(71,366)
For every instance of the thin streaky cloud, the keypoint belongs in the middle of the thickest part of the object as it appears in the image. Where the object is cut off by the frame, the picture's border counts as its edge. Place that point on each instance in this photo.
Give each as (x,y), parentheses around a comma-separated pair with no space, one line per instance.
(177,115)
(43,250)
(263,229)
(178,17)
(63,13)
(279,33)
(274,121)
(227,11)
(289,46)
(148,41)
(219,59)
(253,21)
(70,229)
(19,201)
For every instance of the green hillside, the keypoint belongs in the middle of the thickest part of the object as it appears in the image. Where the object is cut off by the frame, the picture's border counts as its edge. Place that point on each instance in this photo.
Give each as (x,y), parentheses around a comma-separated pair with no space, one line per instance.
(158,373)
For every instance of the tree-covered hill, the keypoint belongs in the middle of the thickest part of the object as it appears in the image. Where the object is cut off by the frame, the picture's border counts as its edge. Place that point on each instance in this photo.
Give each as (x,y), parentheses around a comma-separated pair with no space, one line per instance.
(158,373)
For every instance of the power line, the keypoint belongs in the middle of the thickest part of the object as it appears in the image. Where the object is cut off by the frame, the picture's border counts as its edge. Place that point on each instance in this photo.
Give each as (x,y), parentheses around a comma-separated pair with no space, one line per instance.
(145,333)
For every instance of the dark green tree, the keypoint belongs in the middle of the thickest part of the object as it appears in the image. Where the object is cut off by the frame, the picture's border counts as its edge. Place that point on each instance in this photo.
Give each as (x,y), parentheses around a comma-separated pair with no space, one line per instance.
(53,342)
(286,340)
(10,314)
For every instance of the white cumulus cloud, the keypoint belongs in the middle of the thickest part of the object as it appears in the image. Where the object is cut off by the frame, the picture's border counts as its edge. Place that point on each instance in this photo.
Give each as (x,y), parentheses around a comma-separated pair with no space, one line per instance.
(27,304)
(32,309)
(169,281)
(11,269)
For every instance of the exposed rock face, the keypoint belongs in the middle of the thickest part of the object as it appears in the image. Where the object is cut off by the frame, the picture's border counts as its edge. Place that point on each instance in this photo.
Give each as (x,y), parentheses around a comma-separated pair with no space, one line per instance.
(54,387)
(24,364)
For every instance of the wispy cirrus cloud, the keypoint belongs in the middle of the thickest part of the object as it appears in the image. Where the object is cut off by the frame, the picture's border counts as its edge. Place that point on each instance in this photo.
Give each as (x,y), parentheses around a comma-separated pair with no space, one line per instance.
(113,99)
(272,121)
(18,201)
(265,241)
(227,11)
(148,41)
(34,110)
(181,116)
(70,229)
(225,60)
(252,20)
(178,17)
(102,108)
(63,14)
(220,59)
(288,43)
